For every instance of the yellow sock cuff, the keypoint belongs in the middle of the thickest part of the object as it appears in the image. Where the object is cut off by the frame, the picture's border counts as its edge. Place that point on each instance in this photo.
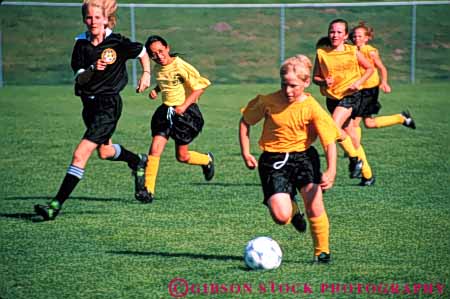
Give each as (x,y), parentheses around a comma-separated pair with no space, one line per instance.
(151,172)
(196,158)
(348,147)
(320,232)
(391,120)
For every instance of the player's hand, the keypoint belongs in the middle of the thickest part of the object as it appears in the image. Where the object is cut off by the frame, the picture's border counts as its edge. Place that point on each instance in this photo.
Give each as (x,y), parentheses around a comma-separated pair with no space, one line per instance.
(100,65)
(385,87)
(250,161)
(180,109)
(144,82)
(153,94)
(327,180)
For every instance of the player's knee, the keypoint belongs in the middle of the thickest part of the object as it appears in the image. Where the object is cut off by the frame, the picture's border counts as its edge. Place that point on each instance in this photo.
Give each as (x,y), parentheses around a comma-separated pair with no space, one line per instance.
(281,217)
(183,158)
(79,157)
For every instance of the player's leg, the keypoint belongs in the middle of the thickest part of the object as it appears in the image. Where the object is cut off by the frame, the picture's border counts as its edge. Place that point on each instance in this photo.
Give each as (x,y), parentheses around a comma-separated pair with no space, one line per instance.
(357,127)
(318,220)
(151,171)
(206,161)
(403,118)
(341,116)
(136,162)
(367,178)
(73,175)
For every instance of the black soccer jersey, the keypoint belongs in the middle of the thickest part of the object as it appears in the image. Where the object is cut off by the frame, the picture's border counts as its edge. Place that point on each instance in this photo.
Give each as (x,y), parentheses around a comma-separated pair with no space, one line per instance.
(115,50)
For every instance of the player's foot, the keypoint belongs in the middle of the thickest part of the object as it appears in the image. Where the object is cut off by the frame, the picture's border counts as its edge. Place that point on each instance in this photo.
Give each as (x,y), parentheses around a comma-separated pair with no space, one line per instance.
(48,212)
(409,121)
(355,167)
(299,222)
(139,177)
(322,258)
(208,170)
(144,196)
(367,182)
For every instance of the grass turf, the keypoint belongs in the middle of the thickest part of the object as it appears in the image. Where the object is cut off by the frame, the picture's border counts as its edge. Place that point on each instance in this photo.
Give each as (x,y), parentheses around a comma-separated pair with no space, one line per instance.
(105,244)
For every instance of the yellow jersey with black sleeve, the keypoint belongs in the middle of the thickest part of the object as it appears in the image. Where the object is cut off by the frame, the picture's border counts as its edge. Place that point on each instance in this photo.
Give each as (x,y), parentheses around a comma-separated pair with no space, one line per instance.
(177,80)
(374,79)
(290,127)
(342,66)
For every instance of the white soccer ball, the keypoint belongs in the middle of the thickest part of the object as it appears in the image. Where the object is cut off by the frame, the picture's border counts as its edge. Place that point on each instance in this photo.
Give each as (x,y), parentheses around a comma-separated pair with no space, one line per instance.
(263,253)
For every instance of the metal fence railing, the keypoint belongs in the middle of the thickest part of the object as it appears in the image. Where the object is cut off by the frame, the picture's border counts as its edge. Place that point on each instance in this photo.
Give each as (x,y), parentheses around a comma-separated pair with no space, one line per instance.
(231,43)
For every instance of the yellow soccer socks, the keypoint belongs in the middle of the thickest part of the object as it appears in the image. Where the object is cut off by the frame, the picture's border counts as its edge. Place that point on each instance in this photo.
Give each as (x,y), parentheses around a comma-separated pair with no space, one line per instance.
(320,232)
(196,158)
(366,170)
(151,172)
(391,120)
(348,147)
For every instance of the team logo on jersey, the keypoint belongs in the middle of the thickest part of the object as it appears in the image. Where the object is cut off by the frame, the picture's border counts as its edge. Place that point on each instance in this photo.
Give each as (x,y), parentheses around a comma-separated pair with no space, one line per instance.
(109,56)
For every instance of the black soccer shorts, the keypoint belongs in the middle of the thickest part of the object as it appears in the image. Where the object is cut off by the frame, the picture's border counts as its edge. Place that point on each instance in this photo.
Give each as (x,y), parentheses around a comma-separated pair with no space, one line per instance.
(369,102)
(286,172)
(351,101)
(101,115)
(181,128)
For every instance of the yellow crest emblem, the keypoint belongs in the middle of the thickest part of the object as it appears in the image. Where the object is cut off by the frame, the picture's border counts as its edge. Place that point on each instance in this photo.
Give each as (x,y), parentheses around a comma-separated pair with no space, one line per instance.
(109,56)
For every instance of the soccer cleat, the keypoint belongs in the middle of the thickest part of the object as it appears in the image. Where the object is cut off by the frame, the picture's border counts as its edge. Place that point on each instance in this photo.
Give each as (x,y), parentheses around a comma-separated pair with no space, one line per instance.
(355,167)
(367,182)
(299,222)
(322,258)
(208,170)
(139,178)
(144,196)
(48,212)
(409,121)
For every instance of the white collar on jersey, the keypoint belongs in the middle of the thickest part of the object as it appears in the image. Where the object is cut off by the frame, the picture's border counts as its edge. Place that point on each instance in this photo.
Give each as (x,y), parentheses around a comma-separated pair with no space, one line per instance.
(86,35)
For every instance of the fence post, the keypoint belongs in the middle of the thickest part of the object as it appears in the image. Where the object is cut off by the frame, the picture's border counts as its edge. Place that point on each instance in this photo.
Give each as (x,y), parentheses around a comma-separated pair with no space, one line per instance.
(413,44)
(133,38)
(282,33)
(1,61)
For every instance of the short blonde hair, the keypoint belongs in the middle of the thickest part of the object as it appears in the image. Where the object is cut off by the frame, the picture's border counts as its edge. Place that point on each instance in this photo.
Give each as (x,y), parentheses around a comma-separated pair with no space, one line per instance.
(299,64)
(109,7)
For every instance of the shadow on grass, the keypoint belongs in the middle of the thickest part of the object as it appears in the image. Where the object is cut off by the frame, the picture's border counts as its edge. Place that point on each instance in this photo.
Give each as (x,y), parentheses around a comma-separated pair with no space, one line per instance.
(33,217)
(197,256)
(227,184)
(187,255)
(86,198)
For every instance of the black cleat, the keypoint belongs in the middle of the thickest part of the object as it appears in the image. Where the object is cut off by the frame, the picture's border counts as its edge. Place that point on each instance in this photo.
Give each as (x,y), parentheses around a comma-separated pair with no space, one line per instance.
(322,258)
(367,182)
(208,170)
(48,212)
(409,121)
(299,222)
(144,196)
(355,167)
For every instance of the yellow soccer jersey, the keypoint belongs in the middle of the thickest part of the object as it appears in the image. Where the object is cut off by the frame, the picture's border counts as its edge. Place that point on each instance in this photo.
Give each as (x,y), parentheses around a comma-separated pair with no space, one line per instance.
(289,127)
(343,66)
(373,80)
(177,80)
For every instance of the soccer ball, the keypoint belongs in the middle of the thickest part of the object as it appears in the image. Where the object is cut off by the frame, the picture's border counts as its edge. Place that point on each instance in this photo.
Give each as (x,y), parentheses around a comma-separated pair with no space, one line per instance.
(262,253)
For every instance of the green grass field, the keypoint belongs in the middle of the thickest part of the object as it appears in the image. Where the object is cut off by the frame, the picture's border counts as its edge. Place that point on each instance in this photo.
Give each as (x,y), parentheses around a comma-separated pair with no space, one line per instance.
(107,245)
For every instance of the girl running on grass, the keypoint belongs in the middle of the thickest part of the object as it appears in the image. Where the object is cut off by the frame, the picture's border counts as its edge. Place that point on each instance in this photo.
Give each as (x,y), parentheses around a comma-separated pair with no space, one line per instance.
(179,116)
(337,72)
(361,35)
(292,121)
(98,61)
